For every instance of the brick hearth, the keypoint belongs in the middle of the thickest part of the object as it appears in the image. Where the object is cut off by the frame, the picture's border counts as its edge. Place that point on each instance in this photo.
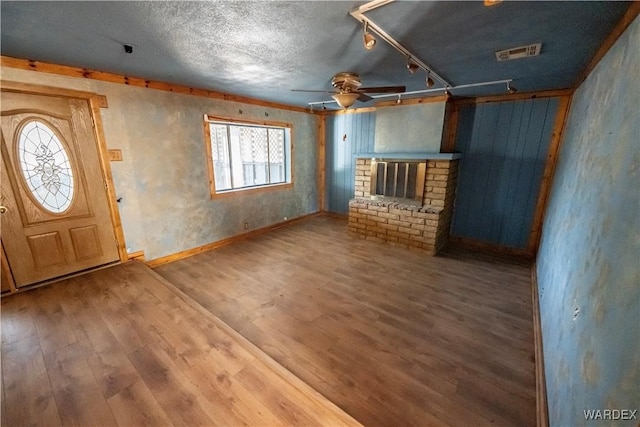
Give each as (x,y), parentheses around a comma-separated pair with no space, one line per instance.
(423,227)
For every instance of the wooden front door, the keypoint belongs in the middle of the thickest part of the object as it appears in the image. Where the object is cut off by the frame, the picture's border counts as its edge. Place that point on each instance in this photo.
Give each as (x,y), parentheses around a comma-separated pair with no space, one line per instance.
(56,218)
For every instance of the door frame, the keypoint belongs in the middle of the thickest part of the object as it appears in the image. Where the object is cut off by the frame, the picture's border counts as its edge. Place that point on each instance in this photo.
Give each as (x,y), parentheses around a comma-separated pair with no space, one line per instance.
(95,102)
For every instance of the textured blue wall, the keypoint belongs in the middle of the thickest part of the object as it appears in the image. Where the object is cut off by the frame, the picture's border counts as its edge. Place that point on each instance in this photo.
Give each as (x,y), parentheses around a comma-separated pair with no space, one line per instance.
(346,135)
(410,128)
(588,263)
(163,178)
(504,148)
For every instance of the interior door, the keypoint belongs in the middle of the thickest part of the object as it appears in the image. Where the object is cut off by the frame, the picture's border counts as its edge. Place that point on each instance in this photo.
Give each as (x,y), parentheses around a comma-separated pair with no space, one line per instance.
(56,218)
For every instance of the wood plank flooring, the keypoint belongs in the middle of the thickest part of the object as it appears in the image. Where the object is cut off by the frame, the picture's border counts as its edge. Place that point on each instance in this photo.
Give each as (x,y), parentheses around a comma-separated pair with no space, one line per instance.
(391,336)
(121,347)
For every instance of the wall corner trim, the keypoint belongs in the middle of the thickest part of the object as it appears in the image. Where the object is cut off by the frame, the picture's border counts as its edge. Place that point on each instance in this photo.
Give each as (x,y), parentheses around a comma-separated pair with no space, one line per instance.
(542,409)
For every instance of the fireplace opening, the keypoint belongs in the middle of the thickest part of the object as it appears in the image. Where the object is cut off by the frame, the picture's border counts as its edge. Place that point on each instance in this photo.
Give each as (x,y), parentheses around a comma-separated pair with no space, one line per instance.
(398,180)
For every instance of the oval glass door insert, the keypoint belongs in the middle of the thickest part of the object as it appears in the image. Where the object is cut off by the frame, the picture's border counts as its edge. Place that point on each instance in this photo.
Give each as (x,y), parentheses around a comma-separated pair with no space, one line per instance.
(46,167)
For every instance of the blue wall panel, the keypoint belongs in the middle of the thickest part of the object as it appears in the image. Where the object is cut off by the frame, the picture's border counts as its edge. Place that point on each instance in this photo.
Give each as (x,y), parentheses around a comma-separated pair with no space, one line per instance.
(346,135)
(504,146)
(587,267)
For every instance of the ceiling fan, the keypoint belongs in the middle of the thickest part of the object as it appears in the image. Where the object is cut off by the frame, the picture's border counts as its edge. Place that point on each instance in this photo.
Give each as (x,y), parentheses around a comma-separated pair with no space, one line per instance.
(348,89)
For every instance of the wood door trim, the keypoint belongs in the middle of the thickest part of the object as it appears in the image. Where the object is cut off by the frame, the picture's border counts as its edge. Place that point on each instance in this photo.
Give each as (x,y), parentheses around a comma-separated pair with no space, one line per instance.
(35,89)
(6,271)
(95,102)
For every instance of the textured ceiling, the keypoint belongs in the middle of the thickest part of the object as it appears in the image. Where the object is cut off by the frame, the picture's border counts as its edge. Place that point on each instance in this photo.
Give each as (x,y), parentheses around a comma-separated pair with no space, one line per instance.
(263,49)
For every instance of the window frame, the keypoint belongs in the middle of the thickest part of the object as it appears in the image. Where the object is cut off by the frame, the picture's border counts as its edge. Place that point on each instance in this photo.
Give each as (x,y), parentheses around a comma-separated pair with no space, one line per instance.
(288,155)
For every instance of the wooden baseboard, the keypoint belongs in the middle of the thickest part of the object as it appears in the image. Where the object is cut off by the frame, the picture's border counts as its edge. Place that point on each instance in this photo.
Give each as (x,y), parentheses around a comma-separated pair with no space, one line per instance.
(542,409)
(336,215)
(137,255)
(524,254)
(214,245)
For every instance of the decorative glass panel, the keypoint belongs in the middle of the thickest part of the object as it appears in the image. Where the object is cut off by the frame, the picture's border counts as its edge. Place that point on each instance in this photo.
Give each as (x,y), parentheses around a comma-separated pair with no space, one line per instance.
(45,166)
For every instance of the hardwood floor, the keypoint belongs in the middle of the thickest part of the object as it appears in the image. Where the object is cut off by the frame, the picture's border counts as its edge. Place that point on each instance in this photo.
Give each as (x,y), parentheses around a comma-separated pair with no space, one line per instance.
(120,346)
(391,336)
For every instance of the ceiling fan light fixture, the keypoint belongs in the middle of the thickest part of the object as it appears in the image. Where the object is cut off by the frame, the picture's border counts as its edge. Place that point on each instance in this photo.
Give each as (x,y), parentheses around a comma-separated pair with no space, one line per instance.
(345,100)
(367,38)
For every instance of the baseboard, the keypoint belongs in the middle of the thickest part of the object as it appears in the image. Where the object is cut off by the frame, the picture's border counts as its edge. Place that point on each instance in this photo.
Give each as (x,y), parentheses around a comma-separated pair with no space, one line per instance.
(542,409)
(523,254)
(138,255)
(214,245)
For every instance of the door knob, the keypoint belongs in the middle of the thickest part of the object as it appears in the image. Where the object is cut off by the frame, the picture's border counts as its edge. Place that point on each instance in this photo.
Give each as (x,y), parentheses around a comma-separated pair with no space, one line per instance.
(3,209)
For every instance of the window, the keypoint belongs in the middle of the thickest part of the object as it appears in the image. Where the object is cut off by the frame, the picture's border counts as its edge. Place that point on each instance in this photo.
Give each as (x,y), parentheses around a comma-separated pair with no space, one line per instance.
(246,156)
(45,166)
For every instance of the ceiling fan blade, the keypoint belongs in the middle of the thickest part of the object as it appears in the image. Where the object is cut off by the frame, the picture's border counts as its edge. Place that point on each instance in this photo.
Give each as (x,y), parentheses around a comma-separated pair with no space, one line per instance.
(319,91)
(364,97)
(383,89)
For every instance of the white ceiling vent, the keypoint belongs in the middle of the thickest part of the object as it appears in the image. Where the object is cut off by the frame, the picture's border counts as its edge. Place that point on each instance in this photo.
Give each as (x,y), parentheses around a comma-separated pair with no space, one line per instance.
(519,52)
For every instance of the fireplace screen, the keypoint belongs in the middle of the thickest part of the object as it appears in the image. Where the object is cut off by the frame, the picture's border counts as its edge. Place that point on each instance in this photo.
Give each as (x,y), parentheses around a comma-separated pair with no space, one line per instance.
(398,180)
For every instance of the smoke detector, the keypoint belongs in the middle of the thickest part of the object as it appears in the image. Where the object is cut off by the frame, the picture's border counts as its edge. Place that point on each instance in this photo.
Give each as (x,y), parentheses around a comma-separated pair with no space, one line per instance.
(519,52)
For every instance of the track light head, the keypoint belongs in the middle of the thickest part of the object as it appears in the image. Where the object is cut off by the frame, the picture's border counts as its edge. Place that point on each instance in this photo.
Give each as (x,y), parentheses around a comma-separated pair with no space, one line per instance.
(399,100)
(412,66)
(510,88)
(447,92)
(429,81)
(367,38)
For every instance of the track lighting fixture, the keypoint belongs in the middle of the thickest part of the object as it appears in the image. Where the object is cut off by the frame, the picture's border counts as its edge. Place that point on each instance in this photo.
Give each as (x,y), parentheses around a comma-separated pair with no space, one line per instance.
(345,100)
(399,100)
(367,37)
(510,88)
(412,66)
(447,92)
(430,81)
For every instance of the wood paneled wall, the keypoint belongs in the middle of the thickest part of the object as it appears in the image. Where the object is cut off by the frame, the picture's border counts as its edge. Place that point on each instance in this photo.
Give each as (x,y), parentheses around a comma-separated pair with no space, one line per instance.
(347,134)
(505,146)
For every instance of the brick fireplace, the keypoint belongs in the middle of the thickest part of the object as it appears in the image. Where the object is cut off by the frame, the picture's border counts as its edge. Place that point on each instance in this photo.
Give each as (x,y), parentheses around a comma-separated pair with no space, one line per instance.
(423,224)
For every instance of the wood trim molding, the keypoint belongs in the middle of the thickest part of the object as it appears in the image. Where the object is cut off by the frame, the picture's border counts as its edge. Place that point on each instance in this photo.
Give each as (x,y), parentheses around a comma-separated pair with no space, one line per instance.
(137,255)
(105,164)
(542,408)
(514,97)
(5,272)
(493,248)
(618,30)
(322,162)
(548,174)
(64,70)
(413,101)
(244,120)
(349,111)
(214,245)
(11,86)
(449,127)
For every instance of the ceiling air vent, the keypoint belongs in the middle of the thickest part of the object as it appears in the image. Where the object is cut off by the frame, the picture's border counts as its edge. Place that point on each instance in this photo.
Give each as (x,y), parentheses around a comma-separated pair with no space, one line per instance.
(519,52)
